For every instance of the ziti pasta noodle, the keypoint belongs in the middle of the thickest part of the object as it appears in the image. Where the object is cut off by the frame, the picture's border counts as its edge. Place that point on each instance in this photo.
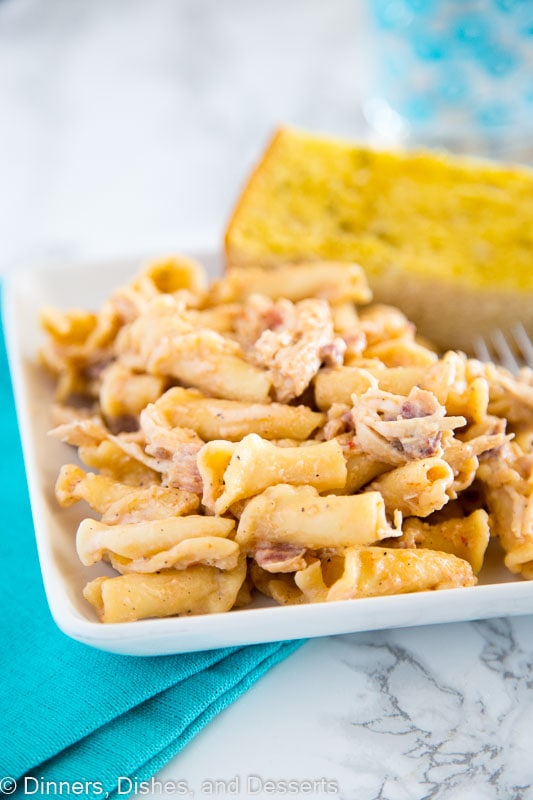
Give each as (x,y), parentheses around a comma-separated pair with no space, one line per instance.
(277,431)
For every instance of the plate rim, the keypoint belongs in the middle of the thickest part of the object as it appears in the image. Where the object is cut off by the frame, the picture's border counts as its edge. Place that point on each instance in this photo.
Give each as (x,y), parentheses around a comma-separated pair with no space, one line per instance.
(172,635)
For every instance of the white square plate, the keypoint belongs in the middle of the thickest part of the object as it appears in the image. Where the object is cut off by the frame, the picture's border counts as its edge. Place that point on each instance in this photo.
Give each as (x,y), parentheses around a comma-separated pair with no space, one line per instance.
(85,286)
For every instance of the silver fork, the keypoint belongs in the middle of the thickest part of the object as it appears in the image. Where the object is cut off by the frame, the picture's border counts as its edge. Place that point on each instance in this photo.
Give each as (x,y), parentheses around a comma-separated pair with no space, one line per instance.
(513,350)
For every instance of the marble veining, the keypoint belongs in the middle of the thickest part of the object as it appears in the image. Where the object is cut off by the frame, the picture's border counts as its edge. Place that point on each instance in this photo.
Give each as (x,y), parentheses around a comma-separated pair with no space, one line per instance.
(442,733)
(429,713)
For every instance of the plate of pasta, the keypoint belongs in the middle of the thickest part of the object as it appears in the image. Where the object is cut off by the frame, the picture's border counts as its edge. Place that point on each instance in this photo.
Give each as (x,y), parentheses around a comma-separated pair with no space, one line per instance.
(220,458)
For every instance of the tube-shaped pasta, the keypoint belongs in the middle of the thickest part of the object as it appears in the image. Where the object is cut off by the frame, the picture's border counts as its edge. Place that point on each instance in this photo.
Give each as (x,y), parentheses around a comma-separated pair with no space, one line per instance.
(212,551)
(279,587)
(206,360)
(361,469)
(520,559)
(524,440)
(338,384)
(418,487)
(138,540)
(505,474)
(472,402)
(464,537)
(212,461)
(454,381)
(298,515)
(256,464)
(463,459)
(382,322)
(121,502)
(346,321)
(402,352)
(512,515)
(331,280)
(113,462)
(211,480)
(213,418)
(172,273)
(99,491)
(160,322)
(124,393)
(400,380)
(373,571)
(196,590)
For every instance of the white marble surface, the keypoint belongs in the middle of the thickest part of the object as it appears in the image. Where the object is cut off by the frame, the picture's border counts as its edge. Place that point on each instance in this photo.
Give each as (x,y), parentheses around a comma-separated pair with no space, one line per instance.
(127,127)
(433,712)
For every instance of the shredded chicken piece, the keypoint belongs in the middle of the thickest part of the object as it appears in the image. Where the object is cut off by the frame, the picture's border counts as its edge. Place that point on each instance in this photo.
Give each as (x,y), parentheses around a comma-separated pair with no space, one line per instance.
(177,466)
(164,318)
(506,474)
(81,432)
(463,458)
(296,340)
(396,429)
(258,314)
(507,465)
(170,451)
(131,302)
(332,354)
(173,449)
(121,503)
(340,421)
(356,344)
(64,414)
(510,396)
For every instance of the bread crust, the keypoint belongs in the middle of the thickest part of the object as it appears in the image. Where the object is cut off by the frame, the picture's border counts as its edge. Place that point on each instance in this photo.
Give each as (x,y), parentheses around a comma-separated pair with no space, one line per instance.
(450,315)
(231,255)
(450,310)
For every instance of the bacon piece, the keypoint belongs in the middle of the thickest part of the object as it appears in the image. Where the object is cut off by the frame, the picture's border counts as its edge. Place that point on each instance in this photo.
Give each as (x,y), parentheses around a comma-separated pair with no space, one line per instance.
(174,450)
(280,557)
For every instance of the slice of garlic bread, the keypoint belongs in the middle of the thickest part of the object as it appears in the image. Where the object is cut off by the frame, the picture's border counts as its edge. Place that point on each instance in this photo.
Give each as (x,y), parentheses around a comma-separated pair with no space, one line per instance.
(448,239)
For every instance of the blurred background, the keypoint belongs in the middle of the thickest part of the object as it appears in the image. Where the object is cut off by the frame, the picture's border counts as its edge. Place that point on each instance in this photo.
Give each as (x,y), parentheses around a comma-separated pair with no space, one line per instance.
(128,126)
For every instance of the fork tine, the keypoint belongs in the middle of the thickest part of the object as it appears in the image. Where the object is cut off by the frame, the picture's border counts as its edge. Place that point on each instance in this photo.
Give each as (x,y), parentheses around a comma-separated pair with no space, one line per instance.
(524,343)
(481,350)
(512,351)
(504,353)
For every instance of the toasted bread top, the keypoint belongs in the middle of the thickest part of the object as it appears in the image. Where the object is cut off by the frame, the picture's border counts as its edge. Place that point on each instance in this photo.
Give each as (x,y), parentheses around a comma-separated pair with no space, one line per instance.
(461,220)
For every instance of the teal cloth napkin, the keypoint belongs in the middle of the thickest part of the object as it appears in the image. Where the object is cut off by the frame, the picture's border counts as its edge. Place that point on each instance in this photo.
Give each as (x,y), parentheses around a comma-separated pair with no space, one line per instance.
(72,713)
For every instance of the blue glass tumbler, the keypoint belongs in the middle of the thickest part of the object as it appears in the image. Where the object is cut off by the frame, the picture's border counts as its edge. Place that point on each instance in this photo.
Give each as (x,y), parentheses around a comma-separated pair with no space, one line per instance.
(456,74)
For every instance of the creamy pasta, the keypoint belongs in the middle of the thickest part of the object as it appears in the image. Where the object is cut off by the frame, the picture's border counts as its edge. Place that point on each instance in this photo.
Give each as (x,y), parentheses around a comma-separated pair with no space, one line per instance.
(275,431)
